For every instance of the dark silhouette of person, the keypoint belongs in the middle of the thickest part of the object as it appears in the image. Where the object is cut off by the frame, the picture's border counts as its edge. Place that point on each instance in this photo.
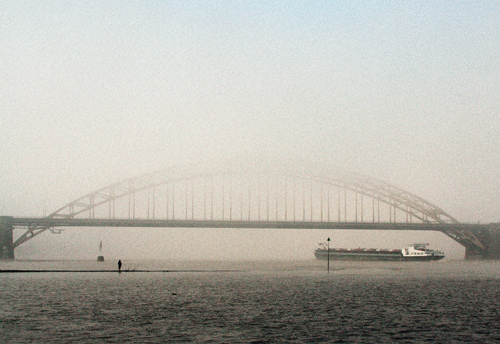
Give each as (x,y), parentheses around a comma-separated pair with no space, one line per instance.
(119,266)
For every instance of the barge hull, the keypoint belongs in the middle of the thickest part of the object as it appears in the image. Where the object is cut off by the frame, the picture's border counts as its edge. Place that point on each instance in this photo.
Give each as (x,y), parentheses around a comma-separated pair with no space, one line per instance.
(374,257)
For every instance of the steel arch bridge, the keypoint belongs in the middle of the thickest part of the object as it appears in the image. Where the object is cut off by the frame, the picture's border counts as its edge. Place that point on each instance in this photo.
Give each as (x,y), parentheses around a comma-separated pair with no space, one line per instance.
(248,196)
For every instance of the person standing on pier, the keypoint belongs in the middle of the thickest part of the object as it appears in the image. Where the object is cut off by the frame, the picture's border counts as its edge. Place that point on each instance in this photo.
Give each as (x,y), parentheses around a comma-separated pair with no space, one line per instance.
(119,266)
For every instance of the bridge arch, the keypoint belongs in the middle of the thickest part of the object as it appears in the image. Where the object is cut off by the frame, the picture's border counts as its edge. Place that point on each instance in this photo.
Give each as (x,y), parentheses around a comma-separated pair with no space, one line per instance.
(253,193)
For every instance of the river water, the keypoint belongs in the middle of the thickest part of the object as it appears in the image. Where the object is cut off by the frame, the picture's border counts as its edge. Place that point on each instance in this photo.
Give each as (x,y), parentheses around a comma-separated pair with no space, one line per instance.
(251,302)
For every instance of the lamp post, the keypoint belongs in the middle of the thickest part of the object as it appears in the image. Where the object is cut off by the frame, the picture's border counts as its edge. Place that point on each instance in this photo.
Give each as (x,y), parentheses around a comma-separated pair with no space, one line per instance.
(328,253)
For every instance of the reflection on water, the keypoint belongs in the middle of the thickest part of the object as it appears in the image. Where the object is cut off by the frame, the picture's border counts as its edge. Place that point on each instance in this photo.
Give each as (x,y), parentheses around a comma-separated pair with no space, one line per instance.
(241,302)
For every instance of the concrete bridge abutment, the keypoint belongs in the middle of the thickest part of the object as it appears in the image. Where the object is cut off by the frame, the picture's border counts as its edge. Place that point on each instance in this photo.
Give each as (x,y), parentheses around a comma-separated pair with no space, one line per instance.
(493,243)
(6,237)
(489,235)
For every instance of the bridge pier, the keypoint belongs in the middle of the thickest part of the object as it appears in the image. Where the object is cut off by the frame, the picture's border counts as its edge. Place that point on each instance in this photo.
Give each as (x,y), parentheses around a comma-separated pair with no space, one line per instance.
(6,237)
(493,243)
(490,237)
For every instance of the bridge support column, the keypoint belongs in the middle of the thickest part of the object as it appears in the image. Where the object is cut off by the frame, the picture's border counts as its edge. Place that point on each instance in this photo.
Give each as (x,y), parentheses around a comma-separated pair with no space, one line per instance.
(493,244)
(6,237)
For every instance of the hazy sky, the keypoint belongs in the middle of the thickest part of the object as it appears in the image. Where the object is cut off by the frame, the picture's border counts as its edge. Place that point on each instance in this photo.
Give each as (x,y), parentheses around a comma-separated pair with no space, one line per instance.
(405,91)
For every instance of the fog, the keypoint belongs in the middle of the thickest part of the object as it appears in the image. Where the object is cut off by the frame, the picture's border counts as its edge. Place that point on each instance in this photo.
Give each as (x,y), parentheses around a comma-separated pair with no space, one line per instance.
(93,93)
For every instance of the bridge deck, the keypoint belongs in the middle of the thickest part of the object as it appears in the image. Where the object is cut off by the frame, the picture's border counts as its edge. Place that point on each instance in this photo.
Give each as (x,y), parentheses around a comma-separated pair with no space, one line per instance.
(52,222)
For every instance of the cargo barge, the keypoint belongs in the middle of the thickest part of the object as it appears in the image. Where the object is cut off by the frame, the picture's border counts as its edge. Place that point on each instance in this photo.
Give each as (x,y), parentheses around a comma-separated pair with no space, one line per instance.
(414,252)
